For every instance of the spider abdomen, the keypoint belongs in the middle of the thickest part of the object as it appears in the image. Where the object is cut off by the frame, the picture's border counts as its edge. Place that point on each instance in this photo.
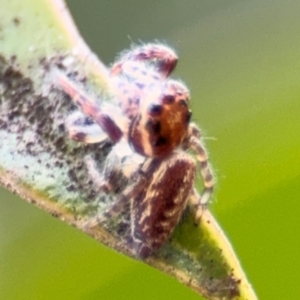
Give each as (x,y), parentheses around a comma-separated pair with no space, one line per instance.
(158,208)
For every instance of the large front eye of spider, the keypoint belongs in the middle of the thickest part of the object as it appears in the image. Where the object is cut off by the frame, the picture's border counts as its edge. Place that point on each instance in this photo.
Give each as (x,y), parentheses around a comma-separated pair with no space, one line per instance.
(176,98)
(155,110)
(162,123)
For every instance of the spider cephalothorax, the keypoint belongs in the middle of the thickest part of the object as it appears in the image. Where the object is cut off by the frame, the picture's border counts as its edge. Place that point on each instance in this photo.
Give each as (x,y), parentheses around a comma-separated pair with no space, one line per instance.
(150,126)
(162,122)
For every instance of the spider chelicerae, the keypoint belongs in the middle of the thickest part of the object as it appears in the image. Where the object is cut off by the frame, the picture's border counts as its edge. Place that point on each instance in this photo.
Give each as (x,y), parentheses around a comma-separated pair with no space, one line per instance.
(149,124)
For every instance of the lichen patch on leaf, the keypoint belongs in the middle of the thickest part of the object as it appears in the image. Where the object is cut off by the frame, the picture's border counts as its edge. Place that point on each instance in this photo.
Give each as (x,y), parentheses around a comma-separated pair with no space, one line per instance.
(32,124)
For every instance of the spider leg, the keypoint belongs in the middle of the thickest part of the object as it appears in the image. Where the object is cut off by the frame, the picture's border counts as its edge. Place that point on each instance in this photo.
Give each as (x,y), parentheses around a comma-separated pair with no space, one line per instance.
(163,57)
(121,166)
(81,129)
(91,109)
(99,179)
(194,142)
(195,201)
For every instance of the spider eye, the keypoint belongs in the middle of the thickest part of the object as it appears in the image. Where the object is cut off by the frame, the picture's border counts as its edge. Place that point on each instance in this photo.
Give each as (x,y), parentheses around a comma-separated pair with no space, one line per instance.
(188,117)
(155,109)
(160,141)
(168,99)
(183,102)
(153,126)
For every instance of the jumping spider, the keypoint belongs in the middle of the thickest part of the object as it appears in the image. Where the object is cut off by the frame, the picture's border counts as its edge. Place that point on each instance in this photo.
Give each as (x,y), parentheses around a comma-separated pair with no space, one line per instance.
(149,123)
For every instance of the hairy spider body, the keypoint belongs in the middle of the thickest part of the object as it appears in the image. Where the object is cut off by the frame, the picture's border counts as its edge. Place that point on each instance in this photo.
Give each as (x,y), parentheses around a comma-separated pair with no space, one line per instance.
(150,126)
(157,209)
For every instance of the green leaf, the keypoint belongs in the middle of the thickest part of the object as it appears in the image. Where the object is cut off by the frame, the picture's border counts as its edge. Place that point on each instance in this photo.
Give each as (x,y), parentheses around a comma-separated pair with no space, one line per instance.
(39,162)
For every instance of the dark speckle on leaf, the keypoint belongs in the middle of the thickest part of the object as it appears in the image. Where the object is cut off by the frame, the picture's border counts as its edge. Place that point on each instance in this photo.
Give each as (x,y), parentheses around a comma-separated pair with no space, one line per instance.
(37,121)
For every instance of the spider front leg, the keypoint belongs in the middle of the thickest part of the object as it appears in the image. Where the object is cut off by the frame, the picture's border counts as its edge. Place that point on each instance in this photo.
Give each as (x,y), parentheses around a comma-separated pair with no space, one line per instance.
(163,57)
(82,129)
(102,115)
(121,166)
(194,142)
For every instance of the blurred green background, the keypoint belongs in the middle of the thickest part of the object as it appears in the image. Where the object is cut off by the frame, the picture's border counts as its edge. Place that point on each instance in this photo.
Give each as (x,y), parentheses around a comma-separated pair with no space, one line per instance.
(241,60)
